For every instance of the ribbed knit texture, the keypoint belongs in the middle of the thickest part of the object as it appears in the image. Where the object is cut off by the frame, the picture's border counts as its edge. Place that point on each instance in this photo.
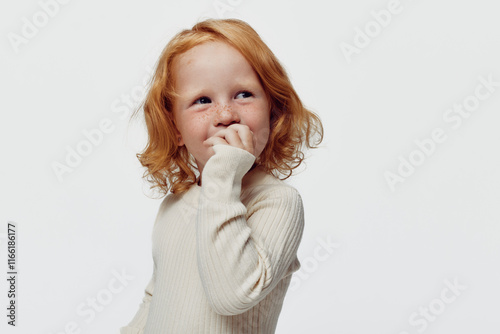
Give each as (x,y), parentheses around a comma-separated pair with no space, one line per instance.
(224,253)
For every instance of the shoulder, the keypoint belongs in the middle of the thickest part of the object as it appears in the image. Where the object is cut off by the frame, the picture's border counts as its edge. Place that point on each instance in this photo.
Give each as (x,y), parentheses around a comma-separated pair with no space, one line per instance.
(167,202)
(272,202)
(260,186)
(179,206)
(174,200)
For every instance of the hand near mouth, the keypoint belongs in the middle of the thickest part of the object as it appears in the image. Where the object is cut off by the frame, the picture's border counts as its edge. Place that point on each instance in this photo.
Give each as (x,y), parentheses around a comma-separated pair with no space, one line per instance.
(237,135)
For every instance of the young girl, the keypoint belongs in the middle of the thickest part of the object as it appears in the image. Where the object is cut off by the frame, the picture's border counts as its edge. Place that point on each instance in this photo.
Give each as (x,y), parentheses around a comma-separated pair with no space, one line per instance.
(224,124)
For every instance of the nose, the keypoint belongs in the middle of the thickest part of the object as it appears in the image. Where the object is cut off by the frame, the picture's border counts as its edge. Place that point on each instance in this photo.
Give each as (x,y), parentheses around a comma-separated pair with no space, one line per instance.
(225,115)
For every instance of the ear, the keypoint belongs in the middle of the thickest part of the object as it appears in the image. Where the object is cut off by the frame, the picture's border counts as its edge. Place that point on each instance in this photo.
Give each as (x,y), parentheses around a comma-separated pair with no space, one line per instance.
(178,136)
(180,141)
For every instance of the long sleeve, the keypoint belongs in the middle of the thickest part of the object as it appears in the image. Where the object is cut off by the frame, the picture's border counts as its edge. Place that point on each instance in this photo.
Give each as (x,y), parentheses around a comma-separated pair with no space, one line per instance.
(241,260)
(138,323)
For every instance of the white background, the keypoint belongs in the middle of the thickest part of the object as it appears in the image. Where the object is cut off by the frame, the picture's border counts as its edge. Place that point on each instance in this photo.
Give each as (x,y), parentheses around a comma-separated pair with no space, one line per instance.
(394,248)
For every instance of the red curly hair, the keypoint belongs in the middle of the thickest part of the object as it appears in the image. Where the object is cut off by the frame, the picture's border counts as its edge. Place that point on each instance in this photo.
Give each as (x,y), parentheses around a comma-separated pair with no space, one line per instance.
(292,126)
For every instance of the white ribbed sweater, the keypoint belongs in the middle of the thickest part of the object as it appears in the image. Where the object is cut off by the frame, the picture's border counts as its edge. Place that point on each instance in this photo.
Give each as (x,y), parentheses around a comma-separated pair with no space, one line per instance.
(224,252)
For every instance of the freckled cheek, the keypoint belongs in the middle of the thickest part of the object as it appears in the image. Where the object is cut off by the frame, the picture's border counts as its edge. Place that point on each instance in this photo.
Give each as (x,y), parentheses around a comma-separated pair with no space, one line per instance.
(199,124)
(261,126)
(202,119)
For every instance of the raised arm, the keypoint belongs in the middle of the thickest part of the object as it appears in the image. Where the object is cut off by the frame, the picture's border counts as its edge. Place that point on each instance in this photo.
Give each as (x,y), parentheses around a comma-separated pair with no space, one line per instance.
(240,261)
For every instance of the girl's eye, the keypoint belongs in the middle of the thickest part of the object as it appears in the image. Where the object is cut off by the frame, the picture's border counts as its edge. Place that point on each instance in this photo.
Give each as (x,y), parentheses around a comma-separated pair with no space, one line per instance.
(244,94)
(202,100)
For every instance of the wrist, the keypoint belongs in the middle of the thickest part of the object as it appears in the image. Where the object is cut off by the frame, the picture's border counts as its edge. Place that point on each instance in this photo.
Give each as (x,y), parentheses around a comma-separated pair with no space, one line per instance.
(224,171)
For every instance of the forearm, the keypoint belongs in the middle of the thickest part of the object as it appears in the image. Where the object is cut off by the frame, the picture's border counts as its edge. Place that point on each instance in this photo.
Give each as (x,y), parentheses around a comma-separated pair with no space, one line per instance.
(240,261)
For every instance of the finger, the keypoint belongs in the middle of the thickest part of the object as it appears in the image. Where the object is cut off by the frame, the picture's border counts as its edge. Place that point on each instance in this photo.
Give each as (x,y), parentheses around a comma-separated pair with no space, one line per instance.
(246,136)
(234,139)
(231,136)
(215,141)
(238,127)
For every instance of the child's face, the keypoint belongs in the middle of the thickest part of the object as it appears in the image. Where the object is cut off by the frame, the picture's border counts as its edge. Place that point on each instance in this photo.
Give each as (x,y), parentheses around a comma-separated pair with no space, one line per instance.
(217,87)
